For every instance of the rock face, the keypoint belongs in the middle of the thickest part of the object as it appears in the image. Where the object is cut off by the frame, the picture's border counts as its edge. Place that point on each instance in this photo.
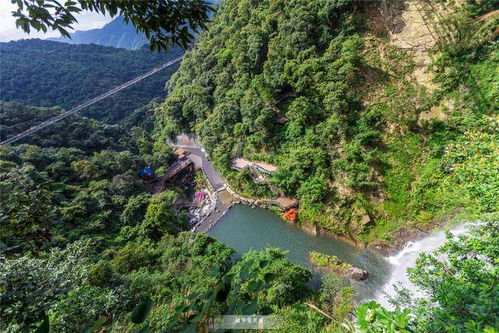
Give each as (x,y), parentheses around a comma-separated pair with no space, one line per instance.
(417,27)
(357,274)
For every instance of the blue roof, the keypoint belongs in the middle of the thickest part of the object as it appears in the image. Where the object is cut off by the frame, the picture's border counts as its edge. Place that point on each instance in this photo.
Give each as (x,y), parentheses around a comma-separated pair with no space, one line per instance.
(147,171)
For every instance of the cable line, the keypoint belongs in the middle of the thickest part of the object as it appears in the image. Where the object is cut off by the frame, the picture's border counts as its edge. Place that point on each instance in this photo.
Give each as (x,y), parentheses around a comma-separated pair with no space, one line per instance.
(94,100)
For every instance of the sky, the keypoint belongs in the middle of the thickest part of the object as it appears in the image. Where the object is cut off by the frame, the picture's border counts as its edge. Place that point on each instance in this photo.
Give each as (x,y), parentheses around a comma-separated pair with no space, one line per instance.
(8,30)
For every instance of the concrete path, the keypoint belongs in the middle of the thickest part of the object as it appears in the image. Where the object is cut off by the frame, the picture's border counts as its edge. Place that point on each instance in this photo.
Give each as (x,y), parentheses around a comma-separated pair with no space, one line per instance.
(199,158)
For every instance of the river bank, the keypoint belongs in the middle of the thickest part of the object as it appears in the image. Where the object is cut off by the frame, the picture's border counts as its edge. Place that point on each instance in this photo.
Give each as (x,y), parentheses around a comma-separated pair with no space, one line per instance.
(246,224)
(244,228)
(223,197)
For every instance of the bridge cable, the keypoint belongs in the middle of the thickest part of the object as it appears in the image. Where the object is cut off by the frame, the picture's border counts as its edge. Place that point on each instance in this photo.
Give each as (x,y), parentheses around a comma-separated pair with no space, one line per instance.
(79,107)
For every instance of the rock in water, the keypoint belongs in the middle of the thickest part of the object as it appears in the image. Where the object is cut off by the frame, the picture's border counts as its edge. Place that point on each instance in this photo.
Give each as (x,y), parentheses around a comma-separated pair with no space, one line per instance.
(358,274)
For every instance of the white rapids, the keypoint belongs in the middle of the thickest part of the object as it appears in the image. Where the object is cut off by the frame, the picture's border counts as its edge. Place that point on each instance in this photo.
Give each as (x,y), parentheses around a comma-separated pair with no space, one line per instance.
(406,258)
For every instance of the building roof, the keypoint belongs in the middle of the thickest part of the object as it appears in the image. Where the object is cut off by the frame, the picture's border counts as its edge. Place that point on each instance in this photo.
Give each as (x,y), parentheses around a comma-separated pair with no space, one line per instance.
(147,171)
(267,167)
(181,152)
(286,203)
(241,164)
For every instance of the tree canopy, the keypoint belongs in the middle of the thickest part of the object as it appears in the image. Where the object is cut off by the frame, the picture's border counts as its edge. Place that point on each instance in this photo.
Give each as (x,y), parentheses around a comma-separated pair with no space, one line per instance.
(46,73)
(315,88)
(312,86)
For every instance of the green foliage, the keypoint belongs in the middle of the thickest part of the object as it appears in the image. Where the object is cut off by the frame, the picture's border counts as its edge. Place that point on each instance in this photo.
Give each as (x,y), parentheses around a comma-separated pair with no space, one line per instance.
(160,218)
(70,71)
(284,88)
(242,182)
(165,23)
(329,261)
(85,305)
(336,298)
(304,85)
(141,311)
(28,285)
(271,80)
(264,281)
(465,175)
(473,164)
(55,193)
(26,212)
(372,317)
(299,318)
(44,326)
(462,288)
(458,283)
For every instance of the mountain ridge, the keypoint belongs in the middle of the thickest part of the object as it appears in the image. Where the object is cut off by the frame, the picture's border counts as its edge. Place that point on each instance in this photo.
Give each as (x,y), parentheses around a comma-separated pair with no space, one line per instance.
(116,33)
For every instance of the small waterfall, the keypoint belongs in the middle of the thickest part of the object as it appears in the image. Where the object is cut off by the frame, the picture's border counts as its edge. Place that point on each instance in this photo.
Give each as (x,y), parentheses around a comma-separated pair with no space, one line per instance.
(406,258)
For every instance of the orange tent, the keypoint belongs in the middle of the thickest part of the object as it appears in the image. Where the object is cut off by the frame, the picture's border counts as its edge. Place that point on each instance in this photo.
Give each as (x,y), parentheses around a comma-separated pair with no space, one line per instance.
(290,215)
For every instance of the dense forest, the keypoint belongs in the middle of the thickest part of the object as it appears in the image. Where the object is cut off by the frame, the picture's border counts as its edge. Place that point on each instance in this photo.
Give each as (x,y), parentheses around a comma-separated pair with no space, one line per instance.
(83,246)
(360,137)
(46,73)
(86,242)
(318,89)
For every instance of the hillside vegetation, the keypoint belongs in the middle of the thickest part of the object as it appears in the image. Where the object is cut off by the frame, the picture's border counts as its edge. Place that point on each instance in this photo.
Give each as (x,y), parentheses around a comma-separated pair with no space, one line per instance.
(83,242)
(365,134)
(45,73)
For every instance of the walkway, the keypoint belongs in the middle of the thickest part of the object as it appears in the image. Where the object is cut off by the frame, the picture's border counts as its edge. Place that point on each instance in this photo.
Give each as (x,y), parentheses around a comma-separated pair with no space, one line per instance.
(177,167)
(225,196)
(198,157)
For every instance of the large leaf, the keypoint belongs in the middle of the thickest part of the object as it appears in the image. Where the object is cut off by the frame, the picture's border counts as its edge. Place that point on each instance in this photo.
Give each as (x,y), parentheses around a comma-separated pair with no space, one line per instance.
(254,285)
(269,277)
(250,309)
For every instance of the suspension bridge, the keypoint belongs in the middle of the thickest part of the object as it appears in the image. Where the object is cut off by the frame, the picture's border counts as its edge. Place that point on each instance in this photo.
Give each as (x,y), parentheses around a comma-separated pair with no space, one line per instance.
(94,100)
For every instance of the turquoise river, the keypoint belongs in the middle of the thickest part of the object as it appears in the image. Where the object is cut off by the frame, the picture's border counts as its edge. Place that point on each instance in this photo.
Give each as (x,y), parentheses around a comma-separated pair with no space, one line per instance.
(244,228)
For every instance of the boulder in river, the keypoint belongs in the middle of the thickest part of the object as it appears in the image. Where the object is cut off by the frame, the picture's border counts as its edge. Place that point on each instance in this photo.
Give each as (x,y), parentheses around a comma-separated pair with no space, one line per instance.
(358,274)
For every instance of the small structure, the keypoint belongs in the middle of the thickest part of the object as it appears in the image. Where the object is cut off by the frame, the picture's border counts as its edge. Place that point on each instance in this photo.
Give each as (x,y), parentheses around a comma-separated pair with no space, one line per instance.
(182,164)
(180,152)
(265,167)
(290,215)
(146,173)
(199,195)
(286,203)
(241,164)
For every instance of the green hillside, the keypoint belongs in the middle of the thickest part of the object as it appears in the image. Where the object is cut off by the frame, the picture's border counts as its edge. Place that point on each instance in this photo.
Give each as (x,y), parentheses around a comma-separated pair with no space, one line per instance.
(363,132)
(381,117)
(46,73)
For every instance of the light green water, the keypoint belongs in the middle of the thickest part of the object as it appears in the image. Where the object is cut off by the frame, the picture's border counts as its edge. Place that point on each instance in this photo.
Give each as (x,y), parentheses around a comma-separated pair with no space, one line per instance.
(244,228)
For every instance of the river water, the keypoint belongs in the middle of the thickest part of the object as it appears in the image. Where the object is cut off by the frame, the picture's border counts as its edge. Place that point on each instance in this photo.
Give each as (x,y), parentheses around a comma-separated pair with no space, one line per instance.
(243,228)
(407,257)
